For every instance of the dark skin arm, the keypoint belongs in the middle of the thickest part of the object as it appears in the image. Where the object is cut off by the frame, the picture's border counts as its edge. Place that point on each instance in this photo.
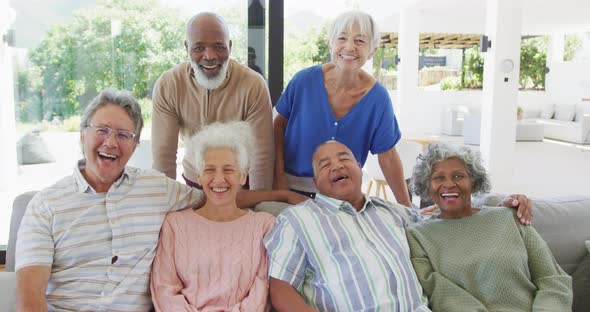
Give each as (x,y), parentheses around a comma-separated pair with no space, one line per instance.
(514,201)
(285,298)
(280,179)
(249,199)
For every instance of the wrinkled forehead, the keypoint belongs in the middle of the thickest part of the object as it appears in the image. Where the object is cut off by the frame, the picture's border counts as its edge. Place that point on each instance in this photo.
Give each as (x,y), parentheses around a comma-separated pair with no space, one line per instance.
(449,163)
(329,150)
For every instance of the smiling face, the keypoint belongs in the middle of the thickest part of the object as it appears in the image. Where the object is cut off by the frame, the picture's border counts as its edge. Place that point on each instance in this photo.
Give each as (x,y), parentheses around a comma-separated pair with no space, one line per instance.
(208,47)
(221,178)
(106,156)
(450,188)
(351,49)
(337,174)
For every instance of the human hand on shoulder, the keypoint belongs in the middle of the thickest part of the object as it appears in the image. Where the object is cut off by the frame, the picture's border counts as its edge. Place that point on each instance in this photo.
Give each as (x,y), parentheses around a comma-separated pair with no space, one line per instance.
(523,204)
(428,211)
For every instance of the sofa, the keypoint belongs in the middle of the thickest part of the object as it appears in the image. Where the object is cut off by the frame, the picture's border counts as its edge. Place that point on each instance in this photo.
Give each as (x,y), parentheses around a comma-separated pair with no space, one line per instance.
(562,221)
(564,122)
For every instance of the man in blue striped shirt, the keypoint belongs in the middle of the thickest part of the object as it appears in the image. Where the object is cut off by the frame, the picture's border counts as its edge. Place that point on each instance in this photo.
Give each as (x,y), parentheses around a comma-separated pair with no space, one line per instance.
(343,251)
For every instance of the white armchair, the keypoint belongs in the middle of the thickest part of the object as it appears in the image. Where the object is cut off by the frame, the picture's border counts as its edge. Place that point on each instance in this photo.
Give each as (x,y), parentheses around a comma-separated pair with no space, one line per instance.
(472,127)
(452,120)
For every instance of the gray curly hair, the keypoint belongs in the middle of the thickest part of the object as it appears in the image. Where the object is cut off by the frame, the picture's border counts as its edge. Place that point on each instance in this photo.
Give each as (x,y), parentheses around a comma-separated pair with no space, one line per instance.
(440,152)
(236,135)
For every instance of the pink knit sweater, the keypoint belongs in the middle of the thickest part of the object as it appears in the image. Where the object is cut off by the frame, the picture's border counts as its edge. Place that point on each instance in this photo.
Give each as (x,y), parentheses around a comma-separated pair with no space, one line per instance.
(203,265)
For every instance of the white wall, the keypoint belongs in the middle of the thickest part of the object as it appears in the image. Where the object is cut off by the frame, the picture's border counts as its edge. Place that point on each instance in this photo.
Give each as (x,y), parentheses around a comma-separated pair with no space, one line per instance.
(570,82)
(423,117)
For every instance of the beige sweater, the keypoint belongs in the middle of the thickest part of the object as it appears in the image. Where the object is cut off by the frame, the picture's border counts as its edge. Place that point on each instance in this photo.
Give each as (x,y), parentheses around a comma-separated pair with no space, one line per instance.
(182,106)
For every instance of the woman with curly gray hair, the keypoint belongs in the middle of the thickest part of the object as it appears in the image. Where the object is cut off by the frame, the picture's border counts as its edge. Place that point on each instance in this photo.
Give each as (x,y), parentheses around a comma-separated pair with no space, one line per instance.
(480,259)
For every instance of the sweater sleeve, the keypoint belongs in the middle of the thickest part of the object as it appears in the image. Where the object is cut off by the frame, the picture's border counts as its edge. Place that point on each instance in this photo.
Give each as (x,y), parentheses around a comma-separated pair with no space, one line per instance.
(259,116)
(443,294)
(257,298)
(165,129)
(165,286)
(554,286)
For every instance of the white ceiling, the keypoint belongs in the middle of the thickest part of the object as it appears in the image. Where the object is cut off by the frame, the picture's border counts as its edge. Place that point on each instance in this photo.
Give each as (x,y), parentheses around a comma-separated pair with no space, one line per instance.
(468,16)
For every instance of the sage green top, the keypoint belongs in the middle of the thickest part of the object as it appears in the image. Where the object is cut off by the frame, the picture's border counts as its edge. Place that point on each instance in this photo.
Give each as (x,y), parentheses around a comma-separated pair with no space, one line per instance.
(487,262)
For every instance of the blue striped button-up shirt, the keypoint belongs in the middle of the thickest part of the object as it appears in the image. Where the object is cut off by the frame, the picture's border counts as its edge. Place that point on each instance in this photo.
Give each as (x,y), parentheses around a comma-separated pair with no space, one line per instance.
(100,247)
(343,260)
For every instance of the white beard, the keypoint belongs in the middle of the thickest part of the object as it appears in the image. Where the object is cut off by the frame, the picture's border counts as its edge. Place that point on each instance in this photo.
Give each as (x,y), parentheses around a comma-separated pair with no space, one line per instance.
(210,83)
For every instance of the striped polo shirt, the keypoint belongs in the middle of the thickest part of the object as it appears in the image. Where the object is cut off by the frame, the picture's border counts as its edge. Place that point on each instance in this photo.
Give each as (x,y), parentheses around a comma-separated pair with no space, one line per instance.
(343,260)
(100,247)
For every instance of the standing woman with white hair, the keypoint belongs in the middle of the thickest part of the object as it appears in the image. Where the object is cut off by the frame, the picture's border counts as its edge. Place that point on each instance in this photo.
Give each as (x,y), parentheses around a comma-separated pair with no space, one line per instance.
(212,258)
(338,101)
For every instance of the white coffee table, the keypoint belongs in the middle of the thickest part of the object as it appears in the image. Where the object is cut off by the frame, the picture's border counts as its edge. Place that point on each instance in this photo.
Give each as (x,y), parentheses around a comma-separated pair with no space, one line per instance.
(529,131)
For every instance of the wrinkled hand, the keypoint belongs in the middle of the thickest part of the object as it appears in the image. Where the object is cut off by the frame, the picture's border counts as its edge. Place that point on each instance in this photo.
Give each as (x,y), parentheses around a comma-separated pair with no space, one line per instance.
(428,211)
(524,206)
(280,182)
(294,198)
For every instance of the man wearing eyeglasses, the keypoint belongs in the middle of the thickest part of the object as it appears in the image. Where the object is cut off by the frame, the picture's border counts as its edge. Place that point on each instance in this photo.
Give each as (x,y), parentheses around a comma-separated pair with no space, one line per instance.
(87,242)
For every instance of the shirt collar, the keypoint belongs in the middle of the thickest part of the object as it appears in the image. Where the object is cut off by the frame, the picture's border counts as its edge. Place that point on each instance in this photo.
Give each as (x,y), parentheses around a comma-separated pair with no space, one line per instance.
(337,204)
(84,187)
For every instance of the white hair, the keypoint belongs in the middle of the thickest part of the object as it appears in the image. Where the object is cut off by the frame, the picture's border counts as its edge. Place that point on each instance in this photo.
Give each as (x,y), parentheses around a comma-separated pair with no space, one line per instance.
(210,83)
(346,20)
(236,135)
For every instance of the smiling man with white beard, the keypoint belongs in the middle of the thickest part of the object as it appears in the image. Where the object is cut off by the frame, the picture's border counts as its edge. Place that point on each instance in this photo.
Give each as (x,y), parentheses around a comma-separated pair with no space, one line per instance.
(210,87)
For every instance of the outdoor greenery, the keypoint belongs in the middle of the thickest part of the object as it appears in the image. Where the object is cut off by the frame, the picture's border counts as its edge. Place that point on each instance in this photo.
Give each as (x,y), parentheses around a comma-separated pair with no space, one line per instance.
(451,83)
(473,69)
(533,56)
(76,60)
(304,50)
(533,60)
(572,44)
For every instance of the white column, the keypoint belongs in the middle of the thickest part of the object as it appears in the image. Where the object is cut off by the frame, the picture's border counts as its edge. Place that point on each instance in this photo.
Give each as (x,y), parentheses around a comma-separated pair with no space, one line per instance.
(500,90)
(407,70)
(8,165)
(556,48)
(555,52)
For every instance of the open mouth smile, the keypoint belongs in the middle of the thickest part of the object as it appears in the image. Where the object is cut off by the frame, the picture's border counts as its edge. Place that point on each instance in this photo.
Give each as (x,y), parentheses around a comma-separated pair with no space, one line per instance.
(340,178)
(348,57)
(449,196)
(107,157)
(219,189)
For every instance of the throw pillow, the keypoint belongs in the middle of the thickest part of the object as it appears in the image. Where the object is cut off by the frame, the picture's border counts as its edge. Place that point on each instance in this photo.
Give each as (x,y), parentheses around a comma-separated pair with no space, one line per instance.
(531,113)
(565,112)
(31,149)
(547,112)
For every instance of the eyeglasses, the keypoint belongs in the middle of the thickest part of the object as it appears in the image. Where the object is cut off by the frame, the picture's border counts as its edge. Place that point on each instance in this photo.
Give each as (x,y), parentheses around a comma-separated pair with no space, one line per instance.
(122,136)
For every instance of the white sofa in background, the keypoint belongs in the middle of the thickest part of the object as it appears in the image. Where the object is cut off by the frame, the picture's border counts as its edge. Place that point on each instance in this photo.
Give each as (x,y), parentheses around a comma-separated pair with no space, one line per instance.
(472,127)
(562,122)
(451,120)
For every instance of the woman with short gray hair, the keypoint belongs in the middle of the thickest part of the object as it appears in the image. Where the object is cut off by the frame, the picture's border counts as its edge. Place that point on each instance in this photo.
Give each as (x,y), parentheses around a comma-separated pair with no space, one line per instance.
(212,258)
(338,101)
(478,258)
